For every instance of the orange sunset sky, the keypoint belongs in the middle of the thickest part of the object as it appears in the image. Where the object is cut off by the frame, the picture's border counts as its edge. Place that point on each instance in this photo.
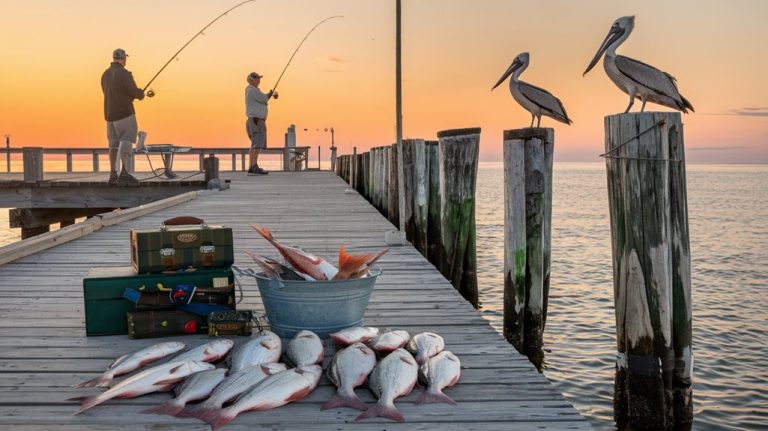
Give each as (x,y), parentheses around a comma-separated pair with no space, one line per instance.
(52,54)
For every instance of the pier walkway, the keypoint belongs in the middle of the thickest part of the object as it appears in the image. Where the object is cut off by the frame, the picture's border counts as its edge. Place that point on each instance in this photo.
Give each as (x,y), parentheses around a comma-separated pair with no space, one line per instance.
(44,350)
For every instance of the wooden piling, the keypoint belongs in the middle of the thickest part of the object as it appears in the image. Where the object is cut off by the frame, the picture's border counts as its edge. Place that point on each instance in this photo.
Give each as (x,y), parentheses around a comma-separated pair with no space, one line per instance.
(645,166)
(211,168)
(69,161)
(33,164)
(416,177)
(366,168)
(433,202)
(394,195)
(385,181)
(528,211)
(459,150)
(354,168)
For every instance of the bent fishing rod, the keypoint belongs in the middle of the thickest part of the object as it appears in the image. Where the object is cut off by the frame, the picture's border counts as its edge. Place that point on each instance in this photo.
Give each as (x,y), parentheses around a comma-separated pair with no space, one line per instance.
(299,46)
(151,93)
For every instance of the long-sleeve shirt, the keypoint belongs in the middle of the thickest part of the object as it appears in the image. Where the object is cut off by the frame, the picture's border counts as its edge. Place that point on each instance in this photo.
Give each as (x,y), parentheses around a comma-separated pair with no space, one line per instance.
(119,91)
(255,102)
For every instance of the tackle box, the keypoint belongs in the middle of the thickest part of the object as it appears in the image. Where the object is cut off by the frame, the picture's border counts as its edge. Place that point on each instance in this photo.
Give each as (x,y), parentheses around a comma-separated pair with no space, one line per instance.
(103,288)
(163,323)
(180,243)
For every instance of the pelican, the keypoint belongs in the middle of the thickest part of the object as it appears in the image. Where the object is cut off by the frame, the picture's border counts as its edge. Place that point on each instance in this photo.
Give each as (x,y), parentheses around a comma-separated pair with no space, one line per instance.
(636,78)
(535,100)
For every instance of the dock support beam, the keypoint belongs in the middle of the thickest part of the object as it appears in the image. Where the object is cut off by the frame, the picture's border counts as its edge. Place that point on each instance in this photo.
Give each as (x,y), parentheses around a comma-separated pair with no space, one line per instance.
(416,182)
(645,166)
(433,202)
(33,164)
(459,151)
(527,237)
(211,168)
(393,208)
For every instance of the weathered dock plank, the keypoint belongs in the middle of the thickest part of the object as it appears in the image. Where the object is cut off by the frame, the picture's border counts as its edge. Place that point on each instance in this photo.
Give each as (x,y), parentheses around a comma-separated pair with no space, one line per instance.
(43,348)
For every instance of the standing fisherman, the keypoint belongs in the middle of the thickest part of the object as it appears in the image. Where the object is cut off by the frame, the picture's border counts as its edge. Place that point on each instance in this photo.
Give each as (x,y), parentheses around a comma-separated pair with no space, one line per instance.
(256,111)
(119,91)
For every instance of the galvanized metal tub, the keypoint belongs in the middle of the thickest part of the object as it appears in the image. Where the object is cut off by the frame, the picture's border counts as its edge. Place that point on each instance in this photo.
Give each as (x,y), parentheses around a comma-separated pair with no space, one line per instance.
(323,307)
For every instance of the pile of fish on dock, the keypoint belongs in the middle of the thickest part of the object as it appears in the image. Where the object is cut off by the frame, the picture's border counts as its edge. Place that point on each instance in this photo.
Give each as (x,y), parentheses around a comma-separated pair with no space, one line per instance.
(300,265)
(391,361)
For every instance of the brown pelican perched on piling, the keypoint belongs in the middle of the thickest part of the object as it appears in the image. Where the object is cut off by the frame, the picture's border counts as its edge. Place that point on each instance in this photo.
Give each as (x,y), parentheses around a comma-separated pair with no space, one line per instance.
(535,100)
(636,78)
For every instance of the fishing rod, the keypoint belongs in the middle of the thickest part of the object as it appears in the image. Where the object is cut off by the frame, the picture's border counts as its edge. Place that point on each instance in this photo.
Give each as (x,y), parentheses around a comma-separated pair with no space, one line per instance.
(151,93)
(297,48)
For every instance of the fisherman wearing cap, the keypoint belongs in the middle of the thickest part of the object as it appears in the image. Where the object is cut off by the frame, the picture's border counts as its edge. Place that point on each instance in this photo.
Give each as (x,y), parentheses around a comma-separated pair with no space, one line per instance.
(119,91)
(256,111)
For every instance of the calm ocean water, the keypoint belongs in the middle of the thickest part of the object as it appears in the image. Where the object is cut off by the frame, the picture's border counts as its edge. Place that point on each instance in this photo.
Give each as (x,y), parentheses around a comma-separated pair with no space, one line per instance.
(728,216)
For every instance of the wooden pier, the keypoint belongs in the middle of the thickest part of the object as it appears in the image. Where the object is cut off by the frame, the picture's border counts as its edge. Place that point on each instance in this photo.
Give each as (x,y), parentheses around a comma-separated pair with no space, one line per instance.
(43,348)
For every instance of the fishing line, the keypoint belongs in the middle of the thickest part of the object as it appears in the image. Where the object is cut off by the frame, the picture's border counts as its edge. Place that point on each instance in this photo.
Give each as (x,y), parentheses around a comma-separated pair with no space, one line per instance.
(151,93)
(297,48)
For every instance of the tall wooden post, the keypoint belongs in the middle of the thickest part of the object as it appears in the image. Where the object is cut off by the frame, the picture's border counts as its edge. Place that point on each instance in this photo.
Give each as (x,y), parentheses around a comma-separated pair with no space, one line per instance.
(416,177)
(33,164)
(355,168)
(394,186)
(211,168)
(433,202)
(95,161)
(459,150)
(645,166)
(527,228)
(366,170)
(359,186)
(385,180)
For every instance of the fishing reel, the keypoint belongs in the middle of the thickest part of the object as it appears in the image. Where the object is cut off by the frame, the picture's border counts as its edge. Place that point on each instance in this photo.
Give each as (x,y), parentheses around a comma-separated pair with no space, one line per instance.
(151,93)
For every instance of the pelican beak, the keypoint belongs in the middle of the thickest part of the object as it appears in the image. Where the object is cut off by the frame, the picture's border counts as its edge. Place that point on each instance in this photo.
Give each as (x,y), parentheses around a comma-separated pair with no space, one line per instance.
(615,33)
(512,67)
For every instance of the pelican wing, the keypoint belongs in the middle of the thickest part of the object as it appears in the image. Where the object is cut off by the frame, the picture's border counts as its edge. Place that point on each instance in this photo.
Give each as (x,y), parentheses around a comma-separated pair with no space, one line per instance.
(546,101)
(650,77)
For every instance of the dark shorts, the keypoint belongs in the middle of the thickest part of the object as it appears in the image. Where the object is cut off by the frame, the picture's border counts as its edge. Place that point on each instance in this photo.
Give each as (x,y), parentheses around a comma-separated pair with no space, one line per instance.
(257,132)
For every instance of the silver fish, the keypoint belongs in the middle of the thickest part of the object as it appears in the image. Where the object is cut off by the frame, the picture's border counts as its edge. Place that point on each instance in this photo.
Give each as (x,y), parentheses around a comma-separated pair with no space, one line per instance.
(132,361)
(426,345)
(274,391)
(355,334)
(306,348)
(160,378)
(392,378)
(234,385)
(196,387)
(389,341)
(211,351)
(439,372)
(349,369)
(263,349)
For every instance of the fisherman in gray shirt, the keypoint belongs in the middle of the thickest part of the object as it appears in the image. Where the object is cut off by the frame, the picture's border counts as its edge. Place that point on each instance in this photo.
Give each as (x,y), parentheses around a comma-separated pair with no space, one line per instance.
(256,111)
(119,91)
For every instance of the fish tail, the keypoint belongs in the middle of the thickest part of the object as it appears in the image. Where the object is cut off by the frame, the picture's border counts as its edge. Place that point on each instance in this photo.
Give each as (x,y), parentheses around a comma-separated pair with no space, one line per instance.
(264,232)
(351,401)
(434,398)
(382,411)
(194,411)
(217,418)
(349,264)
(102,381)
(170,408)
(85,403)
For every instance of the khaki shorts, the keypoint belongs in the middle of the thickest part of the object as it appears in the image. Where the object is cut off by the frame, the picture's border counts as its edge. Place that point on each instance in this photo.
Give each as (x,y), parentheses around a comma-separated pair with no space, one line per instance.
(125,129)
(257,132)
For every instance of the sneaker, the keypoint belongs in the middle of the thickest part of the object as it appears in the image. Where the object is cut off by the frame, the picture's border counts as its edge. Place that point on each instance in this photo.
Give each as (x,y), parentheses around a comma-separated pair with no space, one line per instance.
(125,177)
(263,172)
(253,171)
(112,177)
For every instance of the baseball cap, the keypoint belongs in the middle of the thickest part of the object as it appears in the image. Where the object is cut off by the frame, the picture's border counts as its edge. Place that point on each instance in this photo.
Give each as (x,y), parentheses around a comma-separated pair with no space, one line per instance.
(254,75)
(119,53)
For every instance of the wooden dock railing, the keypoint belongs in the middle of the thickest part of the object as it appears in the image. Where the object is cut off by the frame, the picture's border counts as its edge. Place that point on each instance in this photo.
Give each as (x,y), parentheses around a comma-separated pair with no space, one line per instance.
(302,153)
